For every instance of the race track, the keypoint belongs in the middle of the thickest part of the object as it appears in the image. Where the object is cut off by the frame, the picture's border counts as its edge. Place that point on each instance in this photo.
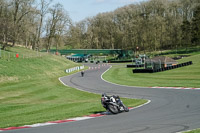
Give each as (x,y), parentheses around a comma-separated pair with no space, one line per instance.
(169,111)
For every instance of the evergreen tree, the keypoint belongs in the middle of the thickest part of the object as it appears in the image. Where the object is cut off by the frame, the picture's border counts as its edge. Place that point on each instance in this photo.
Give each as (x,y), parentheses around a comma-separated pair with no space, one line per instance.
(186,33)
(196,27)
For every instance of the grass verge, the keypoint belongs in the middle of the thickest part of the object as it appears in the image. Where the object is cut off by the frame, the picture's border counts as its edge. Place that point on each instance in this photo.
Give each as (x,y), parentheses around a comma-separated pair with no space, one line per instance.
(188,76)
(193,131)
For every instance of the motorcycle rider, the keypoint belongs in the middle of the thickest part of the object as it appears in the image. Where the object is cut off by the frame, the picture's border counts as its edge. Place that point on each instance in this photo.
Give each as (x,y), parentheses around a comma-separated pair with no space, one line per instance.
(115,99)
(82,73)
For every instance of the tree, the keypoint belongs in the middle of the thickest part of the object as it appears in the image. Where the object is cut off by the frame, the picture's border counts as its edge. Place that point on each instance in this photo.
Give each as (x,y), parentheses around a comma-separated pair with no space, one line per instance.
(186,33)
(5,24)
(56,24)
(196,27)
(42,11)
(20,9)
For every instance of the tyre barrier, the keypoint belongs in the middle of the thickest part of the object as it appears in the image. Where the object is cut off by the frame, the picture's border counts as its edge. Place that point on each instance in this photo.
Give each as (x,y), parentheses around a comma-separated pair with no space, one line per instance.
(122,61)
(132,66)
(143,70)
(162,69)
(74,69)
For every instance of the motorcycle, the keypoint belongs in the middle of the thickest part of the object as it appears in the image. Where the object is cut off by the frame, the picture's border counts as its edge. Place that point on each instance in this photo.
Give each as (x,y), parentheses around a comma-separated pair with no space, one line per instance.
(113,104)
(82,73)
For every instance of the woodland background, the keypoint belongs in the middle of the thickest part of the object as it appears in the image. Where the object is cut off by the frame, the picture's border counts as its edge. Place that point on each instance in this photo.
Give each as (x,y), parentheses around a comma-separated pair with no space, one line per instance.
(148,26)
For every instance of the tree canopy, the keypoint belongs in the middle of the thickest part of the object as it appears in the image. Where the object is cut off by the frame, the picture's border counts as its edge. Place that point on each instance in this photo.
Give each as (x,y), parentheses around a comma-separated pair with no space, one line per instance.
(149,26)
(32,23)
(152,25)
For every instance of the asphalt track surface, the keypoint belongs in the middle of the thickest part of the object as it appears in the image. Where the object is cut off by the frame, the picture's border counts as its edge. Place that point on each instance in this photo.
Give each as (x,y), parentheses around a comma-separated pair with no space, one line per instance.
(169,111)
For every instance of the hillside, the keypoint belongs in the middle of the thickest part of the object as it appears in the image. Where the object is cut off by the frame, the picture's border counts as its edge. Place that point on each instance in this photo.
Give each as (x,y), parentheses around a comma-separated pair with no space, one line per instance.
(26,84)
(28,66)
(30,91)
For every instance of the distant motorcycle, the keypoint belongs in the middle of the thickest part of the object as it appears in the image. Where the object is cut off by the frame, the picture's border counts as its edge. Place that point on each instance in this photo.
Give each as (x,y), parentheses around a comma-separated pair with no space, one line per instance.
(82,73)
(113,104)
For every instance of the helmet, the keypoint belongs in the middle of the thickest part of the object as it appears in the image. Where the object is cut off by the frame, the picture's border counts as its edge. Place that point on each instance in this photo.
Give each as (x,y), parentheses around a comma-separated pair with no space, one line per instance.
(103,95)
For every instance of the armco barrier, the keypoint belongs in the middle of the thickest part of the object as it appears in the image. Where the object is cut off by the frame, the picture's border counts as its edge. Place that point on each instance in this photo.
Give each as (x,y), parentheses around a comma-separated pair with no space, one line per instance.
(162,69)
(74,69)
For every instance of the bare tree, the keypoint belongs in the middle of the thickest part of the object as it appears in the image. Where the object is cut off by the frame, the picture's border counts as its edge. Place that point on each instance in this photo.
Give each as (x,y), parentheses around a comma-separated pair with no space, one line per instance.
(56,24)
(42,11)
(21,8)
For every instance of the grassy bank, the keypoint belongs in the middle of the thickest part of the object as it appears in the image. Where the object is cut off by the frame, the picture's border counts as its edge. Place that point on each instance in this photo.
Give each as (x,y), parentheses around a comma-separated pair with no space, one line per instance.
(177,52)
(188,76)
(30,91)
